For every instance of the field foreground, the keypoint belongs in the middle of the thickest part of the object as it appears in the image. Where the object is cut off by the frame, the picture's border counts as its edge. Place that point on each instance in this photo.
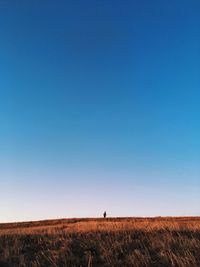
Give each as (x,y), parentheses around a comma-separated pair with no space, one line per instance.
(158,242)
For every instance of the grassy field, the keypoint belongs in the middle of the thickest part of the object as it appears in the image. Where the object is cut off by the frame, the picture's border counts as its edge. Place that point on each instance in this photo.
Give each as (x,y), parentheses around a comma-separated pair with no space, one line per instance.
(158,242)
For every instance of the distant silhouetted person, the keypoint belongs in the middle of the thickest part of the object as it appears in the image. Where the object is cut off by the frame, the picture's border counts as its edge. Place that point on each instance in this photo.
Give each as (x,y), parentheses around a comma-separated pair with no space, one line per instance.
(104,214)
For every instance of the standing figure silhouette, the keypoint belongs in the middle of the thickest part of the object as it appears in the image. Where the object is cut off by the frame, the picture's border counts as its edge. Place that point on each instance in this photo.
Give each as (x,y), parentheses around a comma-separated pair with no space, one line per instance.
(104,214)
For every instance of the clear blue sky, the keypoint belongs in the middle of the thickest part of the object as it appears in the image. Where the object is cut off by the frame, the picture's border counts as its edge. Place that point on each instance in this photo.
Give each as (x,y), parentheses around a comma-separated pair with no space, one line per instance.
(99,108)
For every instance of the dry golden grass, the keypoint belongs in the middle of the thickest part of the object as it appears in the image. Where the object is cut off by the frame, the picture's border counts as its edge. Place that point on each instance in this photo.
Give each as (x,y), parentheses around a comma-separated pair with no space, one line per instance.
(102,242)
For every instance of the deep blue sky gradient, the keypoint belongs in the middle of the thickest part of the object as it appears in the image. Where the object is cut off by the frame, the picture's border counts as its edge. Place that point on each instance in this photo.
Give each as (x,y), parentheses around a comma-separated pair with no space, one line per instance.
(99,108)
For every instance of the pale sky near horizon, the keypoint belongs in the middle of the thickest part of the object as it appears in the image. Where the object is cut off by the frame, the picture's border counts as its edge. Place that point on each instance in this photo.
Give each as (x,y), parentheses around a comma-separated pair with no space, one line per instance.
(99,108)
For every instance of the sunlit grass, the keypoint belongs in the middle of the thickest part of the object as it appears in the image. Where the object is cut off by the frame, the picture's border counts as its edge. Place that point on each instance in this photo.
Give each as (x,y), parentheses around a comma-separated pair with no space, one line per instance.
(102,242)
